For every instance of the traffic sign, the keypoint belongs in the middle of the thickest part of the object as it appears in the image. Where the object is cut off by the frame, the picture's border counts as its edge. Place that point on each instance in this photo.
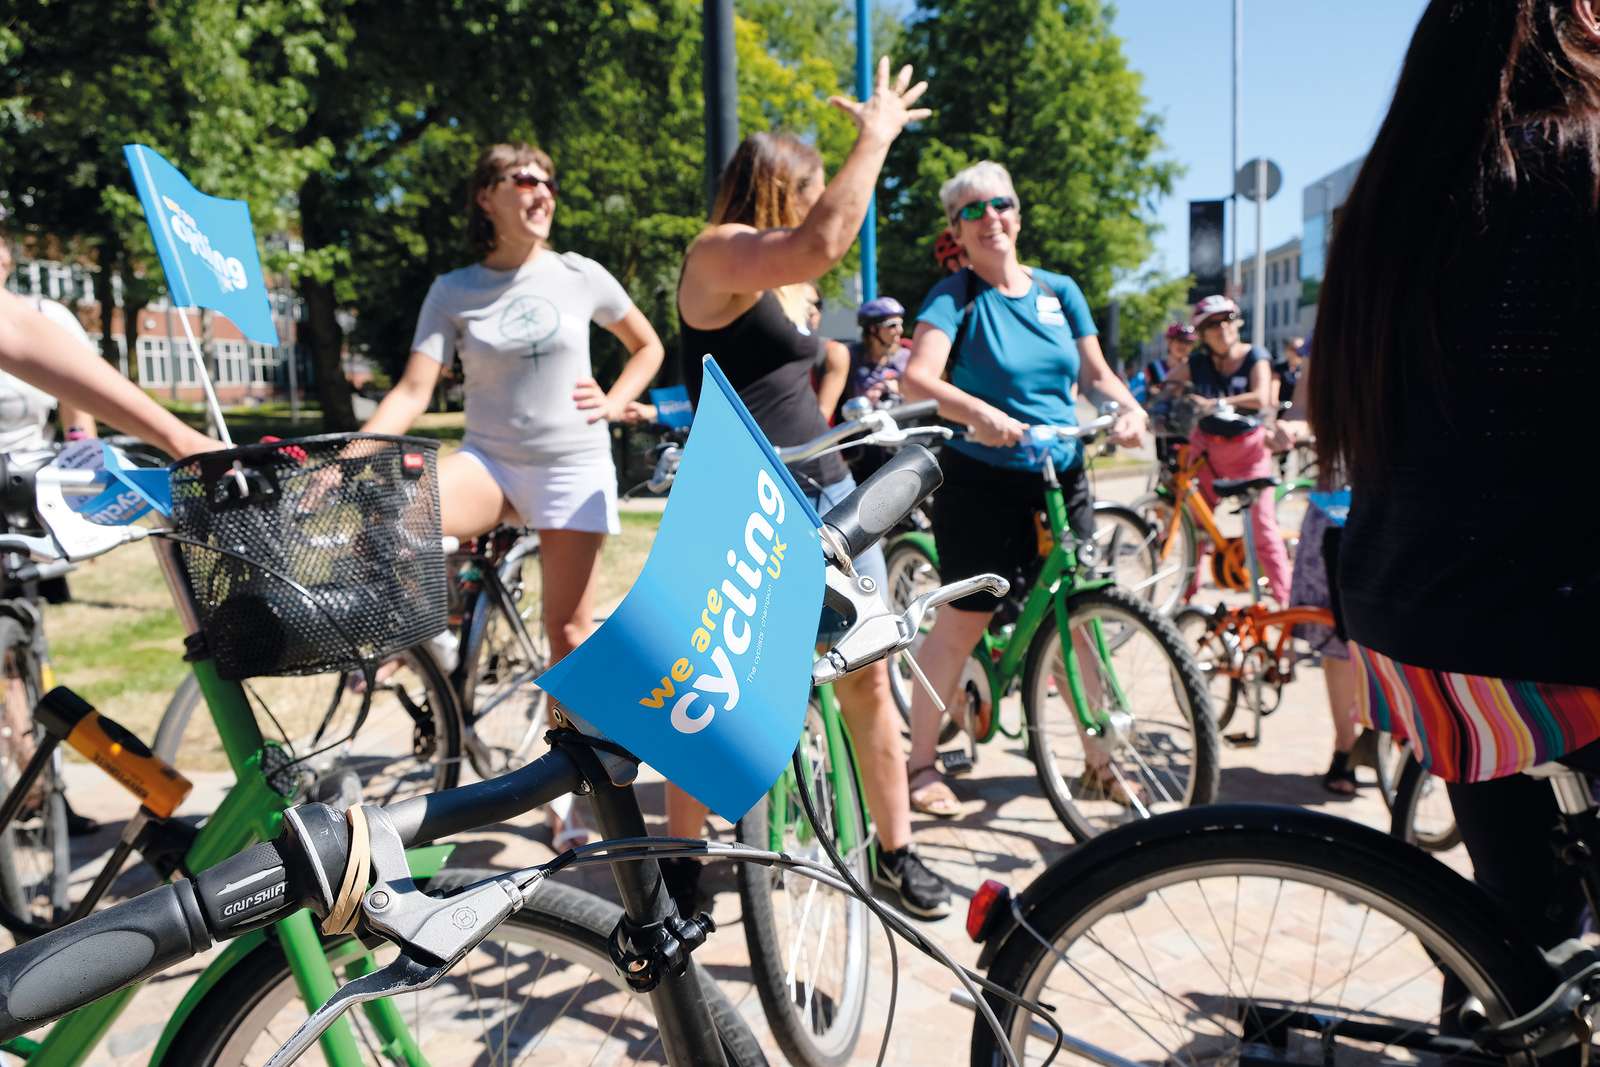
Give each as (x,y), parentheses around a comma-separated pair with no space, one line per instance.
(1244,183)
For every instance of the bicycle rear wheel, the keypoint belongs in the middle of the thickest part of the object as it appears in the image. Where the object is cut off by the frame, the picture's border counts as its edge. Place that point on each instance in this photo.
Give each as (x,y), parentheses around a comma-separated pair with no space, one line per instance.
(35,863)
(1421,814)
(1156,511)
(1126,542)
(505,713)
(808,943)
(1257,934)
(540,989)
(1156,747)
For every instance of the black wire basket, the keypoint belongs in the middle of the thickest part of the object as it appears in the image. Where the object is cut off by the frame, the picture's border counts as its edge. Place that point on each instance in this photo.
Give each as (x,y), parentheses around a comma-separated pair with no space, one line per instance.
(314,554)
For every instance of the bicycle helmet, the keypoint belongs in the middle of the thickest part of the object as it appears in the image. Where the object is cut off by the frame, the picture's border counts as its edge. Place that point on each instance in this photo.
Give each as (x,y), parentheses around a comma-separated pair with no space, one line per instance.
(875,311)
(1213,306)
(1180,331)
(947,251)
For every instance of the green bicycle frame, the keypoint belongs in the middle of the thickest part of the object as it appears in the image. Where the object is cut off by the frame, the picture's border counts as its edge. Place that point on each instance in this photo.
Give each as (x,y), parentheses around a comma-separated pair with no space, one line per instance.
(850,827)
(252,811)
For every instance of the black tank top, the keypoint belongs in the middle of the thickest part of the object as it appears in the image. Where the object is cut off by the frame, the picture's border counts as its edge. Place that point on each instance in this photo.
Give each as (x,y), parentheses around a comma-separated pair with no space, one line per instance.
(1208,381)
(768,361)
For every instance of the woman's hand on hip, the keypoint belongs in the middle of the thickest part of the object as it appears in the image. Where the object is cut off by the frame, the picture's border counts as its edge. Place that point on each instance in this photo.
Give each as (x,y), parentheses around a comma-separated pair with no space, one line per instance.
(889,110)
(593,402)
(995,428)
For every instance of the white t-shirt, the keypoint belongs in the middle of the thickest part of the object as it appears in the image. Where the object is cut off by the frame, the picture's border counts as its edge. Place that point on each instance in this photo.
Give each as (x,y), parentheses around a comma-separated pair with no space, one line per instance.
(523,336)
(24,410)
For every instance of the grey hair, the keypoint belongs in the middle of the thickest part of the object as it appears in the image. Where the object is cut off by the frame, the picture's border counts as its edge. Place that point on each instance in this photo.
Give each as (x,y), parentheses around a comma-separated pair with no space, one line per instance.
(981,176)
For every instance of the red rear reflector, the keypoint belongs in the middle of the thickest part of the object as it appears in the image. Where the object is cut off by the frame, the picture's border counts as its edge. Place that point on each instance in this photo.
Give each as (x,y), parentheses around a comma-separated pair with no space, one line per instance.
(989,894)
(413,463)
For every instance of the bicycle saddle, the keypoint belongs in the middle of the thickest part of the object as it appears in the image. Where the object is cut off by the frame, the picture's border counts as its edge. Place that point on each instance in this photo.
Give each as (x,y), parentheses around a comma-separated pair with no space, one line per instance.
(1231,487)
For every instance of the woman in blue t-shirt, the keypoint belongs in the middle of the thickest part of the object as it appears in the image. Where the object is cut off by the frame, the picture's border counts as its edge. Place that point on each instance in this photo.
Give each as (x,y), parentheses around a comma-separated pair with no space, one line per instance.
(1018,341)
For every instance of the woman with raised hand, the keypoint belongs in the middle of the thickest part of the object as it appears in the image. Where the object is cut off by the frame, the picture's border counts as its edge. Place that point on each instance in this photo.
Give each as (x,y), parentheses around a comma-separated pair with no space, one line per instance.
(777,223)
(537,451)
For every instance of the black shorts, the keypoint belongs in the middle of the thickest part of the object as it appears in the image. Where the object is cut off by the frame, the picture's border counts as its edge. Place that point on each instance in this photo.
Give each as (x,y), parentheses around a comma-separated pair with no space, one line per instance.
(983,521)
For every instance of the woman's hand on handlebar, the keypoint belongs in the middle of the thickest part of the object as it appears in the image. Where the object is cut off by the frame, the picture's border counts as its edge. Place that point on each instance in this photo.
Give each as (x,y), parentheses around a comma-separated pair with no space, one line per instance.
(995,428)
(1130,427)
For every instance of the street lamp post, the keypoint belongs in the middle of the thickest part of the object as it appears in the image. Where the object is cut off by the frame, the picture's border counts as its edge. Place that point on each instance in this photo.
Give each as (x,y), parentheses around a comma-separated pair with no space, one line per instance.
(869,226)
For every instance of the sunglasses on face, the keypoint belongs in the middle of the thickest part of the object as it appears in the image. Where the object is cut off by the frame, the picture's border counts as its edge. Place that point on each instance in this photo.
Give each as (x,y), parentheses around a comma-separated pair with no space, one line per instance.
(974,211)
(894,325)
(526,180)
(1220,320)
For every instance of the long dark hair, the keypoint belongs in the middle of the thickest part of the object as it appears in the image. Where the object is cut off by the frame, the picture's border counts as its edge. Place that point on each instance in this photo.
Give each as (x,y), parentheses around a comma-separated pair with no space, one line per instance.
(1482,80)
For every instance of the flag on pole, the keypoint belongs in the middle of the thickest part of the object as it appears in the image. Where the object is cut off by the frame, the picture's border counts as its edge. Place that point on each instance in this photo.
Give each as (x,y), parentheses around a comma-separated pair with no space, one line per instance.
(206,244)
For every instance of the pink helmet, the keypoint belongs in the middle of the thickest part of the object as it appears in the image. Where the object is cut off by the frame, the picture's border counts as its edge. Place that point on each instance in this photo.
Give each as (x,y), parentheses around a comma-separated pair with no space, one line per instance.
(1211,307)
(1180,331)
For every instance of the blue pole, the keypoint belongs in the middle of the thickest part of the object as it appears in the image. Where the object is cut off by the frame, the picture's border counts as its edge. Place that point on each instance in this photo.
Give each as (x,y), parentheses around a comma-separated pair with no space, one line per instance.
(869,228)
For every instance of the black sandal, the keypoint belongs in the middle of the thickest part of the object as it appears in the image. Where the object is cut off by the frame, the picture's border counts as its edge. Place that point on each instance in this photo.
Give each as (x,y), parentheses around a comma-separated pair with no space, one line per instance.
(1341,777)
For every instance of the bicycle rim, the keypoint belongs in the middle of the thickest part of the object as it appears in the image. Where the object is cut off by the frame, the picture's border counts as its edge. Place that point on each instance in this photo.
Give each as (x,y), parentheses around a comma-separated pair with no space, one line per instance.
(1231,950)
(1156,746)
(505,710)
(1128,543)
(540,989)
(35,865)
(1214,658)
(408,744)
(809,945)
(1422,814)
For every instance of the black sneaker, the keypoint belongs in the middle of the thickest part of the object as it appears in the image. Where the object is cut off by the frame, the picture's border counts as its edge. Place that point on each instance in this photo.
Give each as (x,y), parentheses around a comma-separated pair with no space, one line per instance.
(681,877)
(922,893)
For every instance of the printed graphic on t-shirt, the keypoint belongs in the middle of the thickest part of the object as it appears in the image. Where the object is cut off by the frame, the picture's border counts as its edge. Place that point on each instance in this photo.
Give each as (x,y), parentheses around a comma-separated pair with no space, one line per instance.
(530,319)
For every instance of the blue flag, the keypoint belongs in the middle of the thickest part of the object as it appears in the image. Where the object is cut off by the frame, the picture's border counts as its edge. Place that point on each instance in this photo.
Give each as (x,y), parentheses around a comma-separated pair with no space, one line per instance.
(206,245)
(673,409)
(704,669)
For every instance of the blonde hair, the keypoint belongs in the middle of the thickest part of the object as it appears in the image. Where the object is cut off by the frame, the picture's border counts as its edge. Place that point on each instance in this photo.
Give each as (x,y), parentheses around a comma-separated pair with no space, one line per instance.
(761,187)
(967,184)
(493,163)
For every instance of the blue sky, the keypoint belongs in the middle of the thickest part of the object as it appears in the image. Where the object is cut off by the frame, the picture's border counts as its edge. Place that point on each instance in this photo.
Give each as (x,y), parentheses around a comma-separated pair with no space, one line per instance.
(1317,79)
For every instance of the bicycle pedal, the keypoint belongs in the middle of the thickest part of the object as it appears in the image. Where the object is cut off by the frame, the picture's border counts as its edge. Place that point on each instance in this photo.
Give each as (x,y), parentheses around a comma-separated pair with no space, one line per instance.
(1242,740)
(956,761)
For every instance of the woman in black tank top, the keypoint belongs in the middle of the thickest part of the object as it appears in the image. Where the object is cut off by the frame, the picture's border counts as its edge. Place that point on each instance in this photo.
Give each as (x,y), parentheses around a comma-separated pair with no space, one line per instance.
(776,225)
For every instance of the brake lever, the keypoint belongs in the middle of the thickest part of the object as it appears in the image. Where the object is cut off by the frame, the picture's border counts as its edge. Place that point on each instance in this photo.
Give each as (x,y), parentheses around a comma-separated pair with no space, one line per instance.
(878,632)
(432,933)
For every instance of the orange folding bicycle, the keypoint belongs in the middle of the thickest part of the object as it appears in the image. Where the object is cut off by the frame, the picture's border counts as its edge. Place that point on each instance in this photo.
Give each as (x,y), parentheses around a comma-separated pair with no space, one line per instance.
(1247,653)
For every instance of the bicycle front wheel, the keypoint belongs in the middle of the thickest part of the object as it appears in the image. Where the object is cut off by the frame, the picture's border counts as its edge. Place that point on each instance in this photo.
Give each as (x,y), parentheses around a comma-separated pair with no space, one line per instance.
(1144,741)
(1126,543)
(911,572)
(35,864)
(505,712)
(808,944)
(1253,934)
(542,981)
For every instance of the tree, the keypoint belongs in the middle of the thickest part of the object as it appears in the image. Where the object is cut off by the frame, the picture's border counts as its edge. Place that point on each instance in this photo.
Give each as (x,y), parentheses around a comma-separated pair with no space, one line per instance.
(1145,309)
(1043,87)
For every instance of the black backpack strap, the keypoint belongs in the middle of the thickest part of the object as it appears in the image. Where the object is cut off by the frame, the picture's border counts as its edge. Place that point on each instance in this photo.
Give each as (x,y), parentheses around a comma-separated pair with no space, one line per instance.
(969,297)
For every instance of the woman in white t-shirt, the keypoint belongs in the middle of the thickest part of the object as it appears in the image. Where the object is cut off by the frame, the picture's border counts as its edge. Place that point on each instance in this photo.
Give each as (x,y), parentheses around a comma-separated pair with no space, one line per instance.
(537,450)
(25,410)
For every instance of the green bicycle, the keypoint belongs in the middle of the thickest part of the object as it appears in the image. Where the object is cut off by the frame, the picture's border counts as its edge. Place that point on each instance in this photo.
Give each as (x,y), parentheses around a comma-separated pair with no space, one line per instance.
(1116,717)
(379,529)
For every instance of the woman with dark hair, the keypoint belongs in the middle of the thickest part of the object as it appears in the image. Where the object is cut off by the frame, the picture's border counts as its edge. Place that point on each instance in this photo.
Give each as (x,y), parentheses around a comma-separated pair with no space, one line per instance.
(537,451)
(778,223)
(1454,380)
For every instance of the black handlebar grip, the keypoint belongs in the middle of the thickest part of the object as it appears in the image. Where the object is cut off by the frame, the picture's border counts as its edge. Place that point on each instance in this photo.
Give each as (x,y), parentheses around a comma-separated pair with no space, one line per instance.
(879,503)
(83,961)
(245,891)
(914,412)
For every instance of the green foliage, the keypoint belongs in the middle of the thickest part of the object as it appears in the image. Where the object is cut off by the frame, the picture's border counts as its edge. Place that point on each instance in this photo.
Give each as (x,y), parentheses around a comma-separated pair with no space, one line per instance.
(1145,309)
(1043,87)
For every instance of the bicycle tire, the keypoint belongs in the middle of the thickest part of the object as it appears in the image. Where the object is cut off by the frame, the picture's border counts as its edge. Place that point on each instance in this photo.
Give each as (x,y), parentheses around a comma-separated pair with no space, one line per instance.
(1137,565)
(569,927)
(1143,878)
(1410,822)
(1162,667)
(35,861)
(1195,626)
(1156,510)
(422,693)
(911,571)
(503,712)
(796,1011)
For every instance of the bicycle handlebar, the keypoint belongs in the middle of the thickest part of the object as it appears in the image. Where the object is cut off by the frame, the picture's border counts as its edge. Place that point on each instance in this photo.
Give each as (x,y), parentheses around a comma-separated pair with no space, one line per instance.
(877,421)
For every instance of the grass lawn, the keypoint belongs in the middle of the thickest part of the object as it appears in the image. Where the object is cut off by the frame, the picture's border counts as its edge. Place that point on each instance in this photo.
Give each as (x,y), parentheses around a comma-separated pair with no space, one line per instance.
(119,644)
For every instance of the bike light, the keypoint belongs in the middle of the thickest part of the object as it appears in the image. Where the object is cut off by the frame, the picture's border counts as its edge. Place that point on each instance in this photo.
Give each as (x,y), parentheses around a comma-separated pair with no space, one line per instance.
(989,894)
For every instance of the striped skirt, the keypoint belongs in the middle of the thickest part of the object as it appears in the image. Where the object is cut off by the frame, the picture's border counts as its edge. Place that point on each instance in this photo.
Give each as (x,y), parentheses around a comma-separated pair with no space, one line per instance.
(1467,728)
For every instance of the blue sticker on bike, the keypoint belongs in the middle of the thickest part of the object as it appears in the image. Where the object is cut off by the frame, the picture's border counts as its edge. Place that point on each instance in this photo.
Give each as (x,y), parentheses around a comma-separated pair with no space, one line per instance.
(704,669)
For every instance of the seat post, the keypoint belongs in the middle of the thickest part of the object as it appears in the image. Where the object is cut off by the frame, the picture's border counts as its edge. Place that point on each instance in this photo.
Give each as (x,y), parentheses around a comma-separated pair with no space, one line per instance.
(1250,547)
